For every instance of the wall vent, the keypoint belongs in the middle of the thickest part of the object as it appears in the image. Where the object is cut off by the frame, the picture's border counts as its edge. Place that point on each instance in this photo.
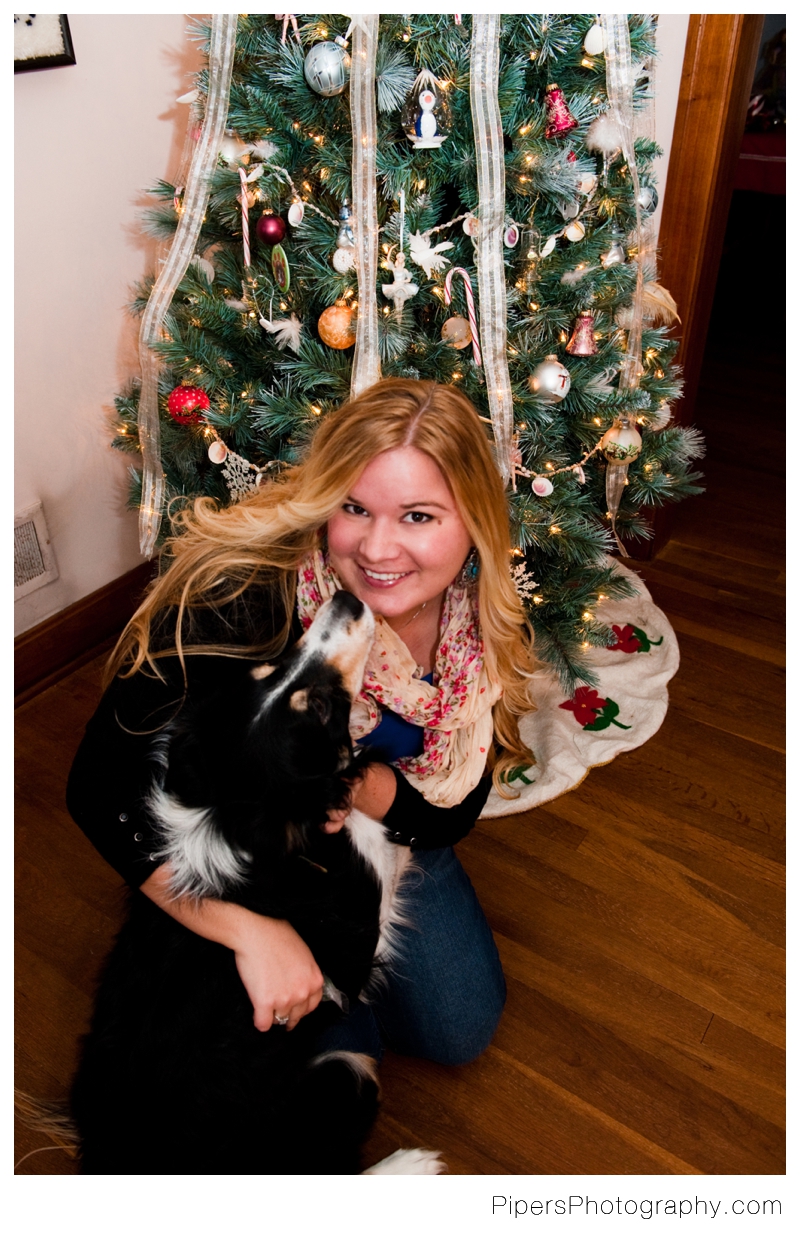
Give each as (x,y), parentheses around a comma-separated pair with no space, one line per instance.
(34,562)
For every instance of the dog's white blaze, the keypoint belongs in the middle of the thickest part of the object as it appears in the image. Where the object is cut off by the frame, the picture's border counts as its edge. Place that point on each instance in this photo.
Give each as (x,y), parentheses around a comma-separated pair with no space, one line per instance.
(388,862)
(349,642)
(203,862)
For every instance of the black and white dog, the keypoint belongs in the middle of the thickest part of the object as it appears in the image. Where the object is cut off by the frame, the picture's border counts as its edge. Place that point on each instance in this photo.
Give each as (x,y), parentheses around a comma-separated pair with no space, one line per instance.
(174,1077)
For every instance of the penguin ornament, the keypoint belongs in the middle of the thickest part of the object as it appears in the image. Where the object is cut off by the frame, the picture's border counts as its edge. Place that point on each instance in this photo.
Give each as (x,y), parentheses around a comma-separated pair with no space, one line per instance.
(418,119)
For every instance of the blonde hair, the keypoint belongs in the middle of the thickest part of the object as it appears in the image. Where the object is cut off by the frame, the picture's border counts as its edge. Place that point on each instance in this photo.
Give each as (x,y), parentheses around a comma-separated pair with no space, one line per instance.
(218,553)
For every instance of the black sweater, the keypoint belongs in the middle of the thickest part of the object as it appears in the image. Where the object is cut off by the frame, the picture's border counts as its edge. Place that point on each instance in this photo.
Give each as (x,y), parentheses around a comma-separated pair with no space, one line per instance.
(115,765)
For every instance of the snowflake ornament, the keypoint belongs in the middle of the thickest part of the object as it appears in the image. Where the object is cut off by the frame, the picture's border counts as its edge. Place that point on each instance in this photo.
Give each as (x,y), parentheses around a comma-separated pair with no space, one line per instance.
(523,581)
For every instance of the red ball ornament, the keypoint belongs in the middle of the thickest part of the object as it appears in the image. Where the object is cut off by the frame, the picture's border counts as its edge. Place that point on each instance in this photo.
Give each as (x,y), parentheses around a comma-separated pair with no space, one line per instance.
(270,229)
(185,404)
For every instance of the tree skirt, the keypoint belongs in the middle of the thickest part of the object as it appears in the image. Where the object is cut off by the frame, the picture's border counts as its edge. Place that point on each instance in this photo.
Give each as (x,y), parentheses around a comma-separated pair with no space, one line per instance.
(568,737)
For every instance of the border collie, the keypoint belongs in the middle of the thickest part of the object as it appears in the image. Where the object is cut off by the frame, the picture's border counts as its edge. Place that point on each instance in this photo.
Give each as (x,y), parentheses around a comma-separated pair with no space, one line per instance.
(174,1077)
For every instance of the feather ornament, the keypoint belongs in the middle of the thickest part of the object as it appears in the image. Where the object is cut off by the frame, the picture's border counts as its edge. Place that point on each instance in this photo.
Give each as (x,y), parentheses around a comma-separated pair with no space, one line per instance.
(287,332)
(604,135)
(658,307)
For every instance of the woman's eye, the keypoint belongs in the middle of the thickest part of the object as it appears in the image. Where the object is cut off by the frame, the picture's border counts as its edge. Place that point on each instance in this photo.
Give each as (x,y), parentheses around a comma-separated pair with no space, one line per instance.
(354,509)
(418,517)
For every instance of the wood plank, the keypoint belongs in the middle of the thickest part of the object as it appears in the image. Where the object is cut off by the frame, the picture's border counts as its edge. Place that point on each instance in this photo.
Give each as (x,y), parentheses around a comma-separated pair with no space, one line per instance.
(632,940)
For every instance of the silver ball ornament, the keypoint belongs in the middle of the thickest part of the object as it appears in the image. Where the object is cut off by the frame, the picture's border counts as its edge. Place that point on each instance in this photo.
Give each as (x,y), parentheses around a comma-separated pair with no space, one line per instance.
(327,68)
(647,198)
(550,381)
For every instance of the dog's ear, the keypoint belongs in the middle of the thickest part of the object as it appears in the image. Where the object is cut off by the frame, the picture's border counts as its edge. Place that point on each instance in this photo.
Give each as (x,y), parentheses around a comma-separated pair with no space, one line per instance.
(312,699)
(262,671)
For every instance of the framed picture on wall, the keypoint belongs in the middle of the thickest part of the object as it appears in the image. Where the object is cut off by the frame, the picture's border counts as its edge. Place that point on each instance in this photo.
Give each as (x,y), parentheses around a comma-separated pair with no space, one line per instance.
(41,41)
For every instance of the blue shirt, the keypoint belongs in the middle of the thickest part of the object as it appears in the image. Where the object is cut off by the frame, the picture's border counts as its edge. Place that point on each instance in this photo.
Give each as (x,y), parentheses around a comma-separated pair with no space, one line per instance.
(394,736)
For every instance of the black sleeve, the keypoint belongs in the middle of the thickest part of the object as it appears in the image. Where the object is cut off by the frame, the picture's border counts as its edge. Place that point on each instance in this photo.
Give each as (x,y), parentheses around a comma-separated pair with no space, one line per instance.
(114,770)
(412,821)
(117,762)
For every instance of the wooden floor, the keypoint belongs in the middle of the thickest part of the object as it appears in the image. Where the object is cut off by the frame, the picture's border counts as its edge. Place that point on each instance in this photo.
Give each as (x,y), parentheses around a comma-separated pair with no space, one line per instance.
(639,918)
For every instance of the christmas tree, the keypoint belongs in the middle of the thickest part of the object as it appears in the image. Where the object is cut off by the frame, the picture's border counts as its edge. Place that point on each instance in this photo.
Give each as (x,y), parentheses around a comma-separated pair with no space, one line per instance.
(463,199)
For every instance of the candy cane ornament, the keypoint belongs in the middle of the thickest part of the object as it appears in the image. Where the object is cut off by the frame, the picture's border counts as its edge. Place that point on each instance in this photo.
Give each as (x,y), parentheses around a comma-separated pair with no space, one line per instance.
(473,323)
(245,218)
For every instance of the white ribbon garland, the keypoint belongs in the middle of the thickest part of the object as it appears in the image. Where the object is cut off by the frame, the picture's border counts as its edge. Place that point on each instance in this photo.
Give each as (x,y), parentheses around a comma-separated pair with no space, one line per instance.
(619,86)
(366,357)
(182,250)
(490,155)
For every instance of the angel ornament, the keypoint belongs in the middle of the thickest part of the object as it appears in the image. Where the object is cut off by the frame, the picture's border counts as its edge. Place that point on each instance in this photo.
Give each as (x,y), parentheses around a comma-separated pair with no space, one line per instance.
(426,255)
(402,286)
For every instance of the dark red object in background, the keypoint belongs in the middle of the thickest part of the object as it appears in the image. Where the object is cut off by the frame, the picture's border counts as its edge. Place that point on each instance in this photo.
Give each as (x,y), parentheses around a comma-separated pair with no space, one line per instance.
(762,162)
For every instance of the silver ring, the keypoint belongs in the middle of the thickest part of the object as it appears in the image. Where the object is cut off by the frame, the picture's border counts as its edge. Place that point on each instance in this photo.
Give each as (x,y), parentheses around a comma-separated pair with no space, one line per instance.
(281,1020)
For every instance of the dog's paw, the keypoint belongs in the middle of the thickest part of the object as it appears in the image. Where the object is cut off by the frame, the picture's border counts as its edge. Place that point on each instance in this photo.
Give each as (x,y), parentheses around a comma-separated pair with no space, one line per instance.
(409,1163)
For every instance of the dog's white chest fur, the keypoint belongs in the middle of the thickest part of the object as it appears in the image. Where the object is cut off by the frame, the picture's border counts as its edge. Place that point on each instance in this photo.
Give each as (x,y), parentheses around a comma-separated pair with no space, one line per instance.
(388,863)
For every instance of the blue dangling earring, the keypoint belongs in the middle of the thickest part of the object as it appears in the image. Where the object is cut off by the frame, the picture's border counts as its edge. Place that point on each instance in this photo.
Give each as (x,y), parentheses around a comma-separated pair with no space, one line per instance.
(471,570)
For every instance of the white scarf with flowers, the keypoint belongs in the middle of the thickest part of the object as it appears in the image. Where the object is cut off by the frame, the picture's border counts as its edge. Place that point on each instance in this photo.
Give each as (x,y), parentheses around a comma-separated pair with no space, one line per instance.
(455,712)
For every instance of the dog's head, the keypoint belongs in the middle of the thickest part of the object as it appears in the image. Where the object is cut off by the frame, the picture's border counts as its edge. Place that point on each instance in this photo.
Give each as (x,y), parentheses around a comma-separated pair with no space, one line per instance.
(303,703)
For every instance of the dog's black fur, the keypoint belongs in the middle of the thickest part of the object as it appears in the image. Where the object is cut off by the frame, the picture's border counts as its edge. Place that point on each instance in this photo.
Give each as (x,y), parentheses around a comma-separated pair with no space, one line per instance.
(174,1077)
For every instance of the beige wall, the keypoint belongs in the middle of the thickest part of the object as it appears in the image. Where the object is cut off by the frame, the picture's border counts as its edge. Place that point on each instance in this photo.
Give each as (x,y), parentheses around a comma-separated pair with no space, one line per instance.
(89,139)
(671,39)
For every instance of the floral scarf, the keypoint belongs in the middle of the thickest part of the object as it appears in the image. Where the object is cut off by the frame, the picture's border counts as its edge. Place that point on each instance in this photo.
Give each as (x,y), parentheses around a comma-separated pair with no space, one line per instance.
(455,711)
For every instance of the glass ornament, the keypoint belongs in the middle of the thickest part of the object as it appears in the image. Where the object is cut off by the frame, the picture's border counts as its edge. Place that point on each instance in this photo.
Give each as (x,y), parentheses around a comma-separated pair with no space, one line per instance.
(185,403)
(615,255)
(647,198)
(425,113)
(559,118)
(531,244)
(582,343)
(345,238)
(336,326)
(327,68)
(550,381)
(622,443)
(270,229)
(456,332)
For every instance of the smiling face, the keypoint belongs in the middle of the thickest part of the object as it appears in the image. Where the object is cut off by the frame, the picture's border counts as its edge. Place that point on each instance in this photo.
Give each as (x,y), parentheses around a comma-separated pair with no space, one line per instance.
(398,540)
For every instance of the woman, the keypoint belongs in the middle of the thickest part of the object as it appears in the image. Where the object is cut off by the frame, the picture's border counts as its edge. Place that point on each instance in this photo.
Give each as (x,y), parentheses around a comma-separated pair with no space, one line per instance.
(399,502)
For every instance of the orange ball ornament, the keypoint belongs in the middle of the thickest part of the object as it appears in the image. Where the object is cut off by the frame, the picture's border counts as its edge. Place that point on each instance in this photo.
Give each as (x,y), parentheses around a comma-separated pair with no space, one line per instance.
(336,326)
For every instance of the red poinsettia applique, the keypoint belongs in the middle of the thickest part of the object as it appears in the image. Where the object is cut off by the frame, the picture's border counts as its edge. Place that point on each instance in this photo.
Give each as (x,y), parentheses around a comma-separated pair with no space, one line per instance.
(592,712)
(631,639)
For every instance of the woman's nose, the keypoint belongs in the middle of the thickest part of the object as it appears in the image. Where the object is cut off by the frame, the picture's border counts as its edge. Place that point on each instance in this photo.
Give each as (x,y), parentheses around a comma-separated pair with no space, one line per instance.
(379,541)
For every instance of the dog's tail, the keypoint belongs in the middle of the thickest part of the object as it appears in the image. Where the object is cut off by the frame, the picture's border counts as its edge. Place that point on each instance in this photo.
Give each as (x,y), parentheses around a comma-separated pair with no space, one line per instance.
(51,1118)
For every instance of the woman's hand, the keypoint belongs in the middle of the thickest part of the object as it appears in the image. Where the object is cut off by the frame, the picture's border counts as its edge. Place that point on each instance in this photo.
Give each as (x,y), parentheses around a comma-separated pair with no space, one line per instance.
(373,793)
(275,965)
(278,970)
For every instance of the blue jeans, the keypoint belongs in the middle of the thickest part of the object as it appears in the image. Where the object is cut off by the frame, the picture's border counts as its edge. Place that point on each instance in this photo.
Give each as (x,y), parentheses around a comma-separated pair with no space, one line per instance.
(445,992)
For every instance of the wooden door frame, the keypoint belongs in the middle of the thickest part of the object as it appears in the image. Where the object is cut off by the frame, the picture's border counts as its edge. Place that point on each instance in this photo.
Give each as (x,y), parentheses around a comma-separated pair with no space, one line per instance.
(718,67)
